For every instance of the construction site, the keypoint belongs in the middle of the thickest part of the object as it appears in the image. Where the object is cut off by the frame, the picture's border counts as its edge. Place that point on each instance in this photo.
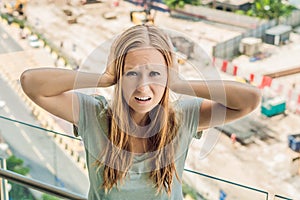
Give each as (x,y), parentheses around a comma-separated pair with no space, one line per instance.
(264,152)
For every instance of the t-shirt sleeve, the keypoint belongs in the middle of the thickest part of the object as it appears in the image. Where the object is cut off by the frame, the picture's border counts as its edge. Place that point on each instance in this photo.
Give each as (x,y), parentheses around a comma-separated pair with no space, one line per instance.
(90,108)
(189,112)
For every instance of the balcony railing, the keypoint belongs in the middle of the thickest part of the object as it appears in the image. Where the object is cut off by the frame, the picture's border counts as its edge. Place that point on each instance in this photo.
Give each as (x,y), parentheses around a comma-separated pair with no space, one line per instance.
(37,185)
(59,187)
(222,186)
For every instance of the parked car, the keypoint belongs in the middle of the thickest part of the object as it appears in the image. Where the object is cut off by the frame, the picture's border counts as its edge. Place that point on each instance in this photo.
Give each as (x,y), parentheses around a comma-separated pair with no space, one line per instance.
(34,41)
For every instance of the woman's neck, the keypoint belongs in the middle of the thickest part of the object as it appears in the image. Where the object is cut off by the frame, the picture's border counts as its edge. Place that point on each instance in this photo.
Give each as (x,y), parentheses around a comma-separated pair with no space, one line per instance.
(138,145)
(140,119)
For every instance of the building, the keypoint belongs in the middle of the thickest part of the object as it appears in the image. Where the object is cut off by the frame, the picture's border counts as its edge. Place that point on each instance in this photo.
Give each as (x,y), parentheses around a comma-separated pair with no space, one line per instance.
(278,35)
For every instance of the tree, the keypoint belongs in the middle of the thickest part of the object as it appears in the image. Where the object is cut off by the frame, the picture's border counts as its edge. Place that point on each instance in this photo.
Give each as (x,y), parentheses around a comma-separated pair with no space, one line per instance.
(18,191)
(270,9)
(172,4)
(49,197)
(16,165)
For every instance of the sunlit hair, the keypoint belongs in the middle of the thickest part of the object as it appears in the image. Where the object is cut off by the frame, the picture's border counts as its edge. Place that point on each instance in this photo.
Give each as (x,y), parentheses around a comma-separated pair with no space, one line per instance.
(117,156)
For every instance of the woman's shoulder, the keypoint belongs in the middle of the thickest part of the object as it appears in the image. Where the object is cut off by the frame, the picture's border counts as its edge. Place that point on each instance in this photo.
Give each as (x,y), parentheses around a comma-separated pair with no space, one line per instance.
(93,111)
(92,99)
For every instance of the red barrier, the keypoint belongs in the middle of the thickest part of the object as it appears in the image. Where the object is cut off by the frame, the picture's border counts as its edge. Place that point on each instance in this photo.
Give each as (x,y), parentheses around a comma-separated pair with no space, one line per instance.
(224,65)
(116,3)
(266,81)
(235,68)
(251,78)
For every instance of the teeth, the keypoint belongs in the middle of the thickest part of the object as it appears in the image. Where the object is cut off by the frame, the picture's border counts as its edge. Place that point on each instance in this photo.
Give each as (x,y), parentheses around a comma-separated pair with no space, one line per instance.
(143,98)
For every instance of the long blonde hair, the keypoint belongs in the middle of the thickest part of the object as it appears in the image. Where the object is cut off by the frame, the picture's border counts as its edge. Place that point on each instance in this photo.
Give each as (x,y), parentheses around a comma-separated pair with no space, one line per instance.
(117,156)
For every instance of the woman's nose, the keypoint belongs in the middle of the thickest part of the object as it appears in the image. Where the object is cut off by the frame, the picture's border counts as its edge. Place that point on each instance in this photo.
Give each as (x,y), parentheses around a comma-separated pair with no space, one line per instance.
(143,87)
(143,83)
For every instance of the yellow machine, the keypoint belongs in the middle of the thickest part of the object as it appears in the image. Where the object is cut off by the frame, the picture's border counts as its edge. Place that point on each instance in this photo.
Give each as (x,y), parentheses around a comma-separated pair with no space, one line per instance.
(141,17)
(19,6)
(12,6)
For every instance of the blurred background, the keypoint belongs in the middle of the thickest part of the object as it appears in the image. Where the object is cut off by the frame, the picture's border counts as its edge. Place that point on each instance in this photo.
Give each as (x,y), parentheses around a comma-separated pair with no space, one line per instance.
(252,41)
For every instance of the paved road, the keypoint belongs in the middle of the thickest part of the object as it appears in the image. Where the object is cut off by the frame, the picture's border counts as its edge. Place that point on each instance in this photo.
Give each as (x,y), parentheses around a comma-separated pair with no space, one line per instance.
(7,44)
(39,152)
(47,162)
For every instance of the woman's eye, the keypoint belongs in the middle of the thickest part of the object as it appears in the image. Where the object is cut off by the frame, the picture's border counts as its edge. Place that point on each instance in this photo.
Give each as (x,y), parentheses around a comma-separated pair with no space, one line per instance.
(154,73)
(131,73)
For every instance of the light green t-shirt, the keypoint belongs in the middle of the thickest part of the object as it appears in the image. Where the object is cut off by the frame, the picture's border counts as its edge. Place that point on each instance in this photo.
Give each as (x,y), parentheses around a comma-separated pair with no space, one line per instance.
(93,127)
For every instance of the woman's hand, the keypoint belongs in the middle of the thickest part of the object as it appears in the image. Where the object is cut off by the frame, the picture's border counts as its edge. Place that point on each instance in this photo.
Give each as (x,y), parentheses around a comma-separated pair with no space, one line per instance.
(108,78)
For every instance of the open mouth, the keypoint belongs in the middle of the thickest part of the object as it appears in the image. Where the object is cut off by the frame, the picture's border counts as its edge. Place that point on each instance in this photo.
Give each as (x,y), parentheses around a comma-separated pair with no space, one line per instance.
(143,98)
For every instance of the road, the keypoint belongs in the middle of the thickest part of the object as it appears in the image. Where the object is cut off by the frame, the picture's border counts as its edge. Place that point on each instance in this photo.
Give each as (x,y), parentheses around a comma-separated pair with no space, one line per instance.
(7,44)
(47,162)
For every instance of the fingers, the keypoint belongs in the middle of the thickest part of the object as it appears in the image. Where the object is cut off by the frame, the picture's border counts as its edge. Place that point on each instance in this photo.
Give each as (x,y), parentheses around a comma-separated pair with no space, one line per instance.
(107,80)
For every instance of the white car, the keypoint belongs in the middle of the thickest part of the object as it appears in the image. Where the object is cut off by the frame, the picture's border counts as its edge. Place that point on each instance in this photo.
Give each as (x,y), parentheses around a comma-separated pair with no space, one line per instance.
(2,104)
(34,41)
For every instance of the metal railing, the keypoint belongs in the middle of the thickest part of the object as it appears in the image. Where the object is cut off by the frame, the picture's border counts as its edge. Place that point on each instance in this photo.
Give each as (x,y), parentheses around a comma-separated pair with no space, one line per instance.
(278,197)
(218,183)
(259,194)
(40,186)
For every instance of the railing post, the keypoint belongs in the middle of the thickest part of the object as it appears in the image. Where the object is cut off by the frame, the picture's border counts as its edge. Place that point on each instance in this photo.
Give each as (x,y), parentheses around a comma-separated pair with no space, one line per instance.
(4,183)
(3,156)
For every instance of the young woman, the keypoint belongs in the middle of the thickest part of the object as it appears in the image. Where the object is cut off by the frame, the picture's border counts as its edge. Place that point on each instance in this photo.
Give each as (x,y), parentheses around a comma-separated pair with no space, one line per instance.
(136,145)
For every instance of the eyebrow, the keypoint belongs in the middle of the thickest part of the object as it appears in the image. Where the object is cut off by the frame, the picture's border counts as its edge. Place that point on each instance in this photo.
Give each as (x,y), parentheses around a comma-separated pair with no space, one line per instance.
(147,66)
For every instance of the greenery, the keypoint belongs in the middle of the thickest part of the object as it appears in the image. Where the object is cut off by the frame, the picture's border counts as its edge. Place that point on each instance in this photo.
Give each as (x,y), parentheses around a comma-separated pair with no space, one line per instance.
(18,191)
(16,165)
(187,190)
(11,19)
(270,9)
(181,3)
(49,197)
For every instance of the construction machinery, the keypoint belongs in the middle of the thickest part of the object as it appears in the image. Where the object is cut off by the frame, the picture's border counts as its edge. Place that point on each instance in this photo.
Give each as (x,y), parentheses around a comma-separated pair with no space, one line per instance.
(143,16)
(14,6)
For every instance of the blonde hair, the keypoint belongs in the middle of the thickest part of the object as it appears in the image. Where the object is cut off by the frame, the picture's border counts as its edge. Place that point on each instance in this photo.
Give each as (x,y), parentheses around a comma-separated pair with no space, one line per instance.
(116,156)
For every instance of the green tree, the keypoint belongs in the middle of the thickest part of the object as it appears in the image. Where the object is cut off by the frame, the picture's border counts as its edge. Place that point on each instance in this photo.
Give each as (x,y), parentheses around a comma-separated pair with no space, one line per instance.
(191,192)
(172,4)
(270,9)
(18,191)
(16,165)
(49,197)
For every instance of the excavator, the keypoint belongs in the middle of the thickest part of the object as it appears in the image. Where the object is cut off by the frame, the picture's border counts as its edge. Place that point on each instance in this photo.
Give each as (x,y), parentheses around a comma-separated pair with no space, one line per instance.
(143,16)
(12,6)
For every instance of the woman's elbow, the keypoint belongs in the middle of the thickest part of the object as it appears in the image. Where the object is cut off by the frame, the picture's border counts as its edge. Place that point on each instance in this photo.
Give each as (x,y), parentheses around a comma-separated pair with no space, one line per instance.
(25,82)
(253,101)
(256,98)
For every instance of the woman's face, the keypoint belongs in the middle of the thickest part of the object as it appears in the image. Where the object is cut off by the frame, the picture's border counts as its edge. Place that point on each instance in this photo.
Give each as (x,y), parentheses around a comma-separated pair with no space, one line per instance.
(144,80)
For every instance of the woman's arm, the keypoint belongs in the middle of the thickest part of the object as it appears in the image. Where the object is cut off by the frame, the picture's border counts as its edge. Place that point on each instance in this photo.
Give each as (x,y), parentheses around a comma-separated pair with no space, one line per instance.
(51,88)
(224,101)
